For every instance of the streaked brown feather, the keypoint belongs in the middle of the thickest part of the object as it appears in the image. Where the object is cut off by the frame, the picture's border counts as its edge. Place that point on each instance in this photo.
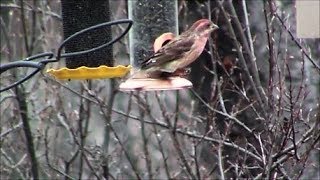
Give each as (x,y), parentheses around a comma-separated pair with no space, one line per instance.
(180,51)
(175,49)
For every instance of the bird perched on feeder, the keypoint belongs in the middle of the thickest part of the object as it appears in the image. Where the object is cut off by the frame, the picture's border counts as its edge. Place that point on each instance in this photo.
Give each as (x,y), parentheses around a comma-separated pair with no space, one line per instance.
(180,51)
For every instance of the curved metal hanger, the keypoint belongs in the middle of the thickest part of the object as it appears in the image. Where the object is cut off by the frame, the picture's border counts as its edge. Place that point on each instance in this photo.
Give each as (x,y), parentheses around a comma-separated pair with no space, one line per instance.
(49,57)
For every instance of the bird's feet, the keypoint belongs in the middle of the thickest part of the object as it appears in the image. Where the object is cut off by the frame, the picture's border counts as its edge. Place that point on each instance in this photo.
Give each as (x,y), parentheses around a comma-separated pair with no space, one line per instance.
(182,72)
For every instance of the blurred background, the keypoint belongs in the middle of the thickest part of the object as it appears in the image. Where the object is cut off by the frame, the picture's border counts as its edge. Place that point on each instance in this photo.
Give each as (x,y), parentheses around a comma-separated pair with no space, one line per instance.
(253,111)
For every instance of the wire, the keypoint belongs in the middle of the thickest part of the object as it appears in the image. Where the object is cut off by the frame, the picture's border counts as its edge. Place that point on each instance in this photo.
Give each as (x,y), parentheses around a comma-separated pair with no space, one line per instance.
(49,57)
(93,28)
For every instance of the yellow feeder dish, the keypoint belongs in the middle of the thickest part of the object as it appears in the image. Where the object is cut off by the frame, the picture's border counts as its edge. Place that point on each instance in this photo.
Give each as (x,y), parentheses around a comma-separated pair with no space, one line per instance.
(84,72)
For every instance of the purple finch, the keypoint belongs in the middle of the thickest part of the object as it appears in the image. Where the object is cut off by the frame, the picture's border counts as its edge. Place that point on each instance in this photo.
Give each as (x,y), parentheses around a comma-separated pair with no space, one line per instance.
(181,51)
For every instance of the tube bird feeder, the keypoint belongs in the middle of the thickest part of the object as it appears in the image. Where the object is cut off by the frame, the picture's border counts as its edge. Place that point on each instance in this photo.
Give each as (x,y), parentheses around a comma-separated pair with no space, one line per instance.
(152,19)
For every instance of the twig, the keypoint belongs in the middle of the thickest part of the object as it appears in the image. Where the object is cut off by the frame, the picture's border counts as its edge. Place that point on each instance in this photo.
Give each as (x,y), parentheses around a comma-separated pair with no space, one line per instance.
(176,142)
(160,124)
(195,157)
(110,127)
(3,156)
(128,108)
(161,149)
(270,37)
(220,159)
(14,6)
(48,159)
(15,127)
(222,113)
(306,135)
(24,29)
(96,100)
(176,117)
(23,110)
(23,107)
(241,57)
(255,74)
(69,162)
(292,116)
(107,129)
(297,42)
(268,163)
(91,168)
(145,139)
(6,37)
(246,20)
(82,149)
(84,116)
(33,28)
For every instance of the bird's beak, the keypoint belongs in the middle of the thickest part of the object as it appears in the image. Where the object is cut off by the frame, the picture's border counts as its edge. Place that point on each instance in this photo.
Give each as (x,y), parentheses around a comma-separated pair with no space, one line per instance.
(213,26)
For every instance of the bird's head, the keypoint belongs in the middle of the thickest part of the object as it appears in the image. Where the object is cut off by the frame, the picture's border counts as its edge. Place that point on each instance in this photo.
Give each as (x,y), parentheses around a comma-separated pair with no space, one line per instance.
(203,27)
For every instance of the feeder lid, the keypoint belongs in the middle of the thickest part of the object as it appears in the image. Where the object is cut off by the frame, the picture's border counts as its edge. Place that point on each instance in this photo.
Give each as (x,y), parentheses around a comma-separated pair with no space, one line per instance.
(149,84)
(84,72)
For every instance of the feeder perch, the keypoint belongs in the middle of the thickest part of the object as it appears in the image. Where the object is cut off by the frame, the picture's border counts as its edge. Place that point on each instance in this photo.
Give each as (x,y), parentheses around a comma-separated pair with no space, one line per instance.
(148,84)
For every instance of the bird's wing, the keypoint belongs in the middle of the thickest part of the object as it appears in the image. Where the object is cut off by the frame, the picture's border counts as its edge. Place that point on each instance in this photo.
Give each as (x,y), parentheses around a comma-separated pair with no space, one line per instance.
(174,50)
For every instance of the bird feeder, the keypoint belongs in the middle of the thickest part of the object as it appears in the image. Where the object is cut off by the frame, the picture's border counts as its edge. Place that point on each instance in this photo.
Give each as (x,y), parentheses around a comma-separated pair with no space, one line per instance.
(153,20)
(88,53)
(84,72)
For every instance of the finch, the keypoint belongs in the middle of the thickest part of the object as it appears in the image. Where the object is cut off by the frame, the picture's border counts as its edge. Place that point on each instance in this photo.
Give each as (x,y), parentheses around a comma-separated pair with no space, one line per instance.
(180,51)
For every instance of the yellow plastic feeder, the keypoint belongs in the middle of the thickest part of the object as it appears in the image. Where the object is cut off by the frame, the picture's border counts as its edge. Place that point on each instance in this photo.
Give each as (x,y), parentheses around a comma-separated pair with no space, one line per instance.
(84,72)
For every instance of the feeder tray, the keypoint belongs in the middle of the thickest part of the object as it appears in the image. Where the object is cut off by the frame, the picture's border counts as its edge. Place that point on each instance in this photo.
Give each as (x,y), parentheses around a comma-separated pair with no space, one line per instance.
(149,84)
(84,72)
